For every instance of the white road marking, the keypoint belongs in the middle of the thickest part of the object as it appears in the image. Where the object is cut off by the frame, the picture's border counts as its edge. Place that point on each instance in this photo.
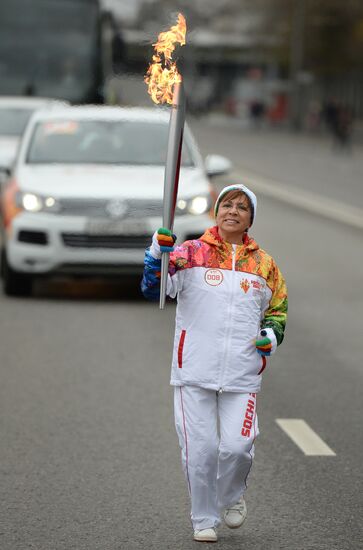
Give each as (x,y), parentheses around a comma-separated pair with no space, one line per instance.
(304,437)
(311,202)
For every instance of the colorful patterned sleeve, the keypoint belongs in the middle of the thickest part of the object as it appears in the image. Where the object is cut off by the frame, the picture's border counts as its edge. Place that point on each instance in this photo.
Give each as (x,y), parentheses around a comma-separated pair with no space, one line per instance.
(150,284)
(180,258)
(276,313)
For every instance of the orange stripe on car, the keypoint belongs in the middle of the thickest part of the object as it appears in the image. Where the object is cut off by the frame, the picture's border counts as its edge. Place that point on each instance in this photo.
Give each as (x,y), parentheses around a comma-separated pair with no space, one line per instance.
(8,203)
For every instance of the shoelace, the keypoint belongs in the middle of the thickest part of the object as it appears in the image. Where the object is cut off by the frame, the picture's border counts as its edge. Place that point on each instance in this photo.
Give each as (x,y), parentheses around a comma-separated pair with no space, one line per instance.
(197,531)
(239,507)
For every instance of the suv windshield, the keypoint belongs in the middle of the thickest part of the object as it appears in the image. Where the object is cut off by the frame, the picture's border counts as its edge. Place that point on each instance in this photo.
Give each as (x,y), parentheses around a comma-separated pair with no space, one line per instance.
(102,142)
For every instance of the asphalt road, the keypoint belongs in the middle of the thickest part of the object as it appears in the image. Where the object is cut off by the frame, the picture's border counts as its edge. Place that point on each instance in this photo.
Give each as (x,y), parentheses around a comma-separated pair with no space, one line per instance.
(89,458)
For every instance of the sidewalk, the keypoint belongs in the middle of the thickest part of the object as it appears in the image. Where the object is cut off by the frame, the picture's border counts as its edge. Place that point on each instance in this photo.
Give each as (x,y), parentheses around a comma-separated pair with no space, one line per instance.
(306,162)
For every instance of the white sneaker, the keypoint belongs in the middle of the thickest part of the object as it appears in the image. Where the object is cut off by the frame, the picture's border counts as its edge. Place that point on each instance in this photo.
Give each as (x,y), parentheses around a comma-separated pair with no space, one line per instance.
(235,515)
(206,535)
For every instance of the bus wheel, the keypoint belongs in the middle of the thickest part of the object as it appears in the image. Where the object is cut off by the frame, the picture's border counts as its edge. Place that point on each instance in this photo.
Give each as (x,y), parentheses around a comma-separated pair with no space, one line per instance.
(15,283)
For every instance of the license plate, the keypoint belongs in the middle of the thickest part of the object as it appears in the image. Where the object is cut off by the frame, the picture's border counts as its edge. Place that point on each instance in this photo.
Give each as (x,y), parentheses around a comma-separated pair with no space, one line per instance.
(115,228)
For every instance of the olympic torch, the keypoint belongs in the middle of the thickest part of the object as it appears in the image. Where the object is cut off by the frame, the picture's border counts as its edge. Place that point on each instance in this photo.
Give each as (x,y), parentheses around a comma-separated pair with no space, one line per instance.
(165,85)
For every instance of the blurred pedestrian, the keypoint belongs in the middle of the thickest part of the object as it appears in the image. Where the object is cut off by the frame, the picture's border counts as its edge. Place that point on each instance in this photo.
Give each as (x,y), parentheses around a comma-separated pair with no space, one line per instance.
(230,317)
(344,127)
(339,121)
(257,113)
(330,114)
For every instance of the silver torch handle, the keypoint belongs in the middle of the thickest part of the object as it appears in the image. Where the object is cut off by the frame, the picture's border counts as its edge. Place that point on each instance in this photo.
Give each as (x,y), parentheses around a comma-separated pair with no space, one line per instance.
(171,177)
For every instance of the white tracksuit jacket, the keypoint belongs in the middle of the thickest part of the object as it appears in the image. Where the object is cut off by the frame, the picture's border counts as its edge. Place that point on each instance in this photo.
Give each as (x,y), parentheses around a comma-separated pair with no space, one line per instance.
(226,294)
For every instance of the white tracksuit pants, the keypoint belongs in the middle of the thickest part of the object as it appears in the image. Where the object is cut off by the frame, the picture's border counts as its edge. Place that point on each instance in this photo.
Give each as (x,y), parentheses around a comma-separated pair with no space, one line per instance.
(216,434)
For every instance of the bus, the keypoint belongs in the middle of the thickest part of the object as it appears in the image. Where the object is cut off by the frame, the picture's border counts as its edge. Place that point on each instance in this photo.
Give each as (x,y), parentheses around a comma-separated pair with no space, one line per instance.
(63,49)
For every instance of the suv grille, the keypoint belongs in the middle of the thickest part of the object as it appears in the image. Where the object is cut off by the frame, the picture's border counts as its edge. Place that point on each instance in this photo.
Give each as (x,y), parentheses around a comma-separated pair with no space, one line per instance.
(81,240)
(97,208)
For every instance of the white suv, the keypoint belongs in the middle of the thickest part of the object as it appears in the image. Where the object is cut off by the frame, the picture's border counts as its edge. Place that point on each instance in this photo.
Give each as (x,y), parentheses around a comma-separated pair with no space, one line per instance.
(86,193)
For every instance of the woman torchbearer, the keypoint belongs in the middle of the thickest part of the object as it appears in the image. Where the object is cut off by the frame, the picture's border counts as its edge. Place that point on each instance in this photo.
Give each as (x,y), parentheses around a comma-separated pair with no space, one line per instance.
(230,317)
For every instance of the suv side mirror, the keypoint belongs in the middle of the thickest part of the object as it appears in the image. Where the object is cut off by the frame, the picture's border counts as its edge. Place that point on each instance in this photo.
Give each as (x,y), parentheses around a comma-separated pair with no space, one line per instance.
(217,165)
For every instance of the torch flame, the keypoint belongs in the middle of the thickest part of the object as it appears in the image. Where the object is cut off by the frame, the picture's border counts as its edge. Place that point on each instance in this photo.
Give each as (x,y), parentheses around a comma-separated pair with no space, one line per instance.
(162,74)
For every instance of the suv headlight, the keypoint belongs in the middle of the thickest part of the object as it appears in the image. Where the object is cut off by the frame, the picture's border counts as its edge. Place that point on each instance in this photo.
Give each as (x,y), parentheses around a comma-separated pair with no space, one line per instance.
(196,205)
(32,202)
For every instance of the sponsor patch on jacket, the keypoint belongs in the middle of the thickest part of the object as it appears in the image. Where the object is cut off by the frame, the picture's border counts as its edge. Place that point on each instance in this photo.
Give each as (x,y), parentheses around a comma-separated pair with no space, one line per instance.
(213,277)
(256,285)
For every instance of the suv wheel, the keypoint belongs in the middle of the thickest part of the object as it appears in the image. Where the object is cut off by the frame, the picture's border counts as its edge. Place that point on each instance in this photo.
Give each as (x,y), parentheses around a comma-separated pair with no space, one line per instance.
(14,282)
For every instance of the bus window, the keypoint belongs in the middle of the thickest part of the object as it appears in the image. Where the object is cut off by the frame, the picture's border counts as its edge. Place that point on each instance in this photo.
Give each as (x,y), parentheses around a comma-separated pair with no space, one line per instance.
(51,48)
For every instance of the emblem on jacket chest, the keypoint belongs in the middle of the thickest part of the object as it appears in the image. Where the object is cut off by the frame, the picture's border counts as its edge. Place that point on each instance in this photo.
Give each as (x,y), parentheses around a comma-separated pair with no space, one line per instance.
(213,277)
(245,285)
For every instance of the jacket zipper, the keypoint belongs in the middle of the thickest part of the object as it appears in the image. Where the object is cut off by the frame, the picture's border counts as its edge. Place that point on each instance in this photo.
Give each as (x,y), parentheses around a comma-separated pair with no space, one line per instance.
(228,336)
